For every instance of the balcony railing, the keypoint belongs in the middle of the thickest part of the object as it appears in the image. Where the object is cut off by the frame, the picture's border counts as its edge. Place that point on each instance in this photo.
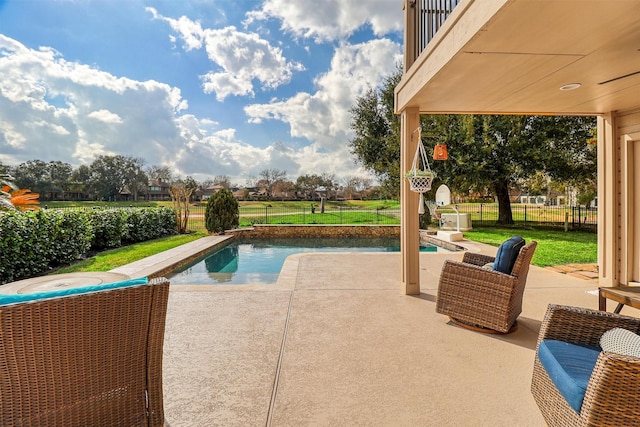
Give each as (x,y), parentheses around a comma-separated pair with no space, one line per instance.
(428,16)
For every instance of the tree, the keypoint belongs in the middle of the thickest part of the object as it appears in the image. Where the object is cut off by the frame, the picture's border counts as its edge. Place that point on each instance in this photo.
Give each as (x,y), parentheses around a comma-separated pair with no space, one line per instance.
(251,182)
(284,189)
(269,177)
(376,144)
(498,151)
(111,175)
(47,179)
(135,178)
(159,173)
(81,174)
(222,212)
(353,185)
(485,151)
(306,185)
(180,192)
(330,183)
(222,180)
(191,183)
(59,174)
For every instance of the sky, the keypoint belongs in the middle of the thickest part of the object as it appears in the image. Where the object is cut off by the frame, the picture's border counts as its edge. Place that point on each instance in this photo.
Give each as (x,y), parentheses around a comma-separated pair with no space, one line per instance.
(206,87)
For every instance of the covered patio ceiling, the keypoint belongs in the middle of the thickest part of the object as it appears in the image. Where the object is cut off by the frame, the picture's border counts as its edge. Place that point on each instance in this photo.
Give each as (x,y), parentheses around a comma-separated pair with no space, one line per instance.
(514,56)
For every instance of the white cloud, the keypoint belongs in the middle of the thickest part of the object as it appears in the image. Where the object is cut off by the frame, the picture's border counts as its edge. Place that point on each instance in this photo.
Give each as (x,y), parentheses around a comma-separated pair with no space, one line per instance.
(190,31)
(331,19)
(224,84)
(242,57)
(323,117)
(53,109)
(96,113)
(105,116)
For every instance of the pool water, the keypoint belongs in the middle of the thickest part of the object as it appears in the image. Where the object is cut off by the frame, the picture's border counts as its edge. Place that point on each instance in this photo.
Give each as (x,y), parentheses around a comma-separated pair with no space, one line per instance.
(260,260)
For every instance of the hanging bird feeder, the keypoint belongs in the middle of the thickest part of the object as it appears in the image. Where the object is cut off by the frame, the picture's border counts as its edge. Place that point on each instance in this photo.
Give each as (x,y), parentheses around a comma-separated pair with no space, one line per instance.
(420,175)
(440,152)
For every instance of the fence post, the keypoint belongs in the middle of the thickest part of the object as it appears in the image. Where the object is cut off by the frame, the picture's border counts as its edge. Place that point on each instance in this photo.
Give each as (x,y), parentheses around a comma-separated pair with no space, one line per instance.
(266,214)
(525,213)
(579,216)
(480,212)
(566,221)
(340,215)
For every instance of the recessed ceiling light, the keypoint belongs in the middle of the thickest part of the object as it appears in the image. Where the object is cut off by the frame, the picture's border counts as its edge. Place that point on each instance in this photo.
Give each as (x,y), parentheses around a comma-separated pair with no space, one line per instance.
(570,86)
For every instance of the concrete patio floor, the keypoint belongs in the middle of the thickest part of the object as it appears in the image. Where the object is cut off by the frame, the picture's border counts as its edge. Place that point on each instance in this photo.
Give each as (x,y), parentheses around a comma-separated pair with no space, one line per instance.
(335,343)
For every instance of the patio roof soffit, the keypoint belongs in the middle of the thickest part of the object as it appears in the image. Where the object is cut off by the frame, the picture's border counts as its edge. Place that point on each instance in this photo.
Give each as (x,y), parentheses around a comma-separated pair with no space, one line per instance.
(513,56)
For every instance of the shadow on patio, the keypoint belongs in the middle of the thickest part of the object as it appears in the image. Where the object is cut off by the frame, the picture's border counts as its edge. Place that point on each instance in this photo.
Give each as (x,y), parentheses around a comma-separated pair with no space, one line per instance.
(335,343)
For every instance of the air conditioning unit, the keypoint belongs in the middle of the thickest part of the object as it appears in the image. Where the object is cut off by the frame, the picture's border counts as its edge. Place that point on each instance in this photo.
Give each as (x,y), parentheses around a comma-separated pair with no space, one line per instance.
(448,221)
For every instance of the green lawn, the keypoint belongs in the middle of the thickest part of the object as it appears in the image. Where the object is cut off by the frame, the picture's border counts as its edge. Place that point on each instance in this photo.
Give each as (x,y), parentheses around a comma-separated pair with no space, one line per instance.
(364,204)
(113,258)
(330,217)
(554,247)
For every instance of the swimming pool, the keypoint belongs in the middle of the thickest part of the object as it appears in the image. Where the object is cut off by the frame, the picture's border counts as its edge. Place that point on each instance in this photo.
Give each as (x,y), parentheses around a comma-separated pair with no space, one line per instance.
(260,260)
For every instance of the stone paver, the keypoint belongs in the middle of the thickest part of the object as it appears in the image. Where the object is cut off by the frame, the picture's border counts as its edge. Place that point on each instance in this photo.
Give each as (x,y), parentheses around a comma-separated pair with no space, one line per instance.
(581,271)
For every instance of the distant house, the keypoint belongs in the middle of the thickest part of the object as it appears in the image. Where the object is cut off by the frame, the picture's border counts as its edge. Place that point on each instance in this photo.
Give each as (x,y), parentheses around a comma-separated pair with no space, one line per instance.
(239,193)
(204,193)
(158,191)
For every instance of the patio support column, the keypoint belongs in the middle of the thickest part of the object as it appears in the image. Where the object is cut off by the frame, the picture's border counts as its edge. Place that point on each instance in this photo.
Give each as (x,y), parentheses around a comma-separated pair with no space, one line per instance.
(609,202)
(409,224)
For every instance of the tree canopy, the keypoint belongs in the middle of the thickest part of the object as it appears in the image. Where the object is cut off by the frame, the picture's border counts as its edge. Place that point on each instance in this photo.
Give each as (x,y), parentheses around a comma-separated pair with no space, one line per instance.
(376,144)
(487,153)
(110,175)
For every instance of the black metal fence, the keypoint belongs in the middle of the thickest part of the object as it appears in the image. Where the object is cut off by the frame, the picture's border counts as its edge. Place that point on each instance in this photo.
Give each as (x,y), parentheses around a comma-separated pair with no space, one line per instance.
(302,215)
(569,217)
(481,214)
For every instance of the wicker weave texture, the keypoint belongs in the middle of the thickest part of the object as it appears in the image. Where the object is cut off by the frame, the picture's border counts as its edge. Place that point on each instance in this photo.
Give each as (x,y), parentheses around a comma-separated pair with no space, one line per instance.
(84,360)
(612,394)
(485,298)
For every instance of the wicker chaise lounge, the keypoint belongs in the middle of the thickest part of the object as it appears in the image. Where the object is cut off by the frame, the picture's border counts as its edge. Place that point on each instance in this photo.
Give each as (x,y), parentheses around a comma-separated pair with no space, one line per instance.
(91,359)
(610,393)
(482,299)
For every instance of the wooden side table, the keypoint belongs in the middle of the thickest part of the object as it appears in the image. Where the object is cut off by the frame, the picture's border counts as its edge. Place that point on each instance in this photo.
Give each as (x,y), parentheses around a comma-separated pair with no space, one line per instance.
(623,295)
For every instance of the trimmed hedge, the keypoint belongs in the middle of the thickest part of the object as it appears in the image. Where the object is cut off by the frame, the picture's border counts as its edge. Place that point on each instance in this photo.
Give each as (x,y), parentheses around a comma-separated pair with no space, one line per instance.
(32,243)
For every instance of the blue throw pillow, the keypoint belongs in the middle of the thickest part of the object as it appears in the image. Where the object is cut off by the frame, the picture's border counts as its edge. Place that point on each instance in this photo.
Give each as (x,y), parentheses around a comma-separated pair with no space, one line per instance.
(16,298)
(507,254)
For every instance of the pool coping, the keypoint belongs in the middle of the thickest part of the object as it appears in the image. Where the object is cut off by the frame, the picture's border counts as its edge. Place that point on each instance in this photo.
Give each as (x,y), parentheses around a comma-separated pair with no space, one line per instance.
(165,262)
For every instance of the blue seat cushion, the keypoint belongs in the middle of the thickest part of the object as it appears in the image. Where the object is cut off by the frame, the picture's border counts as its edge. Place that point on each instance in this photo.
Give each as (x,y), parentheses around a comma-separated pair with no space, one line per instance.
(507,253)
(35,296)
(569,366)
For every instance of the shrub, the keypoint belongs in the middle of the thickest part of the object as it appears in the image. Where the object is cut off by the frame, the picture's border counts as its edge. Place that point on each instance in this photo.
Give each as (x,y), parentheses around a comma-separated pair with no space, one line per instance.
(143,224)
(108,228)
(72,236)
(222,212)
(425,221)
(32,242)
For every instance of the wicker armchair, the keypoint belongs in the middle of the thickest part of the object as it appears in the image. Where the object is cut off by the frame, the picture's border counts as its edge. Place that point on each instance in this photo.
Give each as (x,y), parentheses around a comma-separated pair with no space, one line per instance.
(483,300)
(92,359)
(611,397)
